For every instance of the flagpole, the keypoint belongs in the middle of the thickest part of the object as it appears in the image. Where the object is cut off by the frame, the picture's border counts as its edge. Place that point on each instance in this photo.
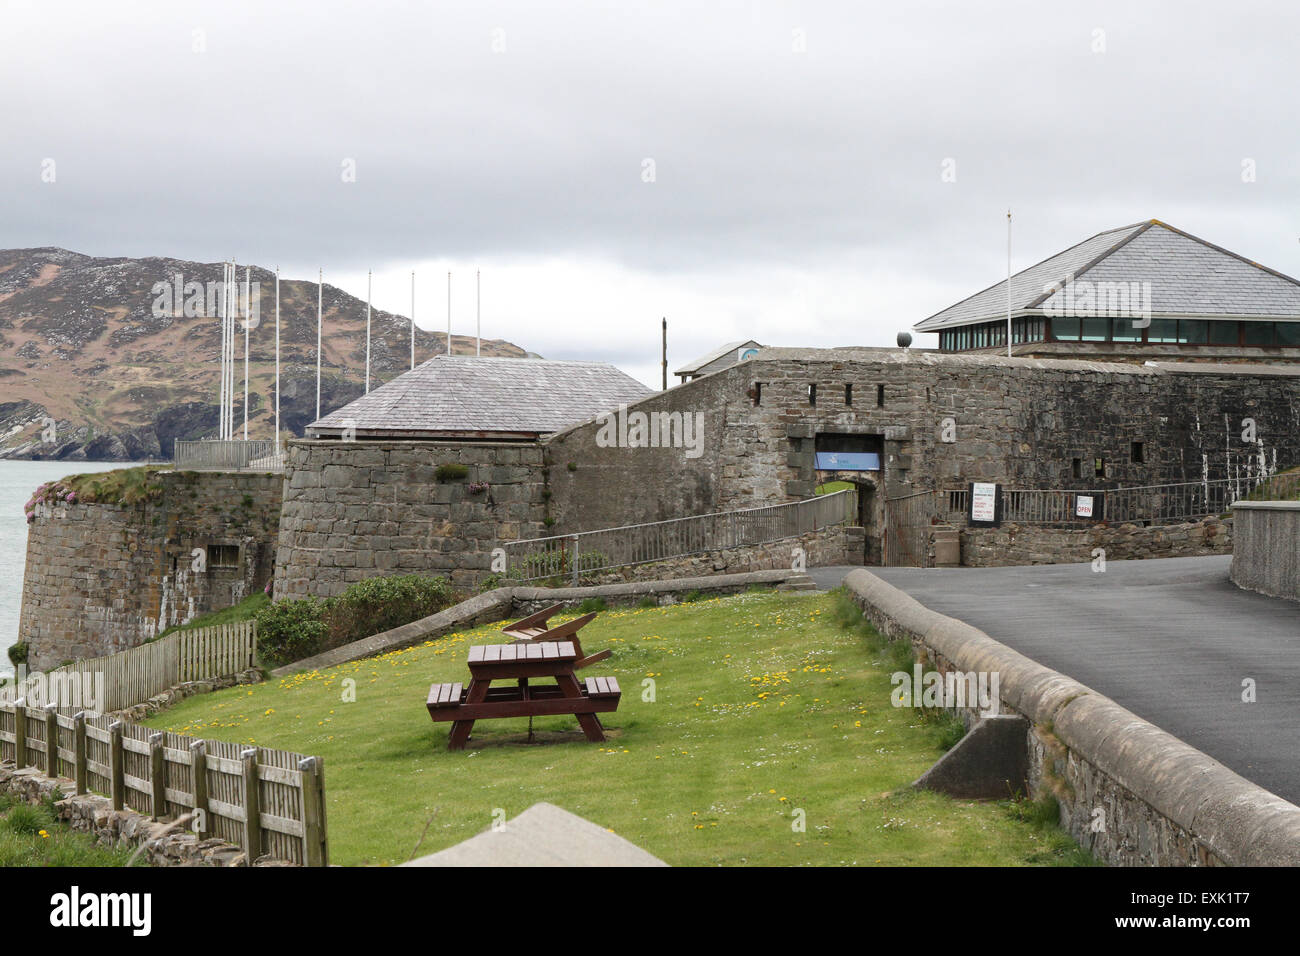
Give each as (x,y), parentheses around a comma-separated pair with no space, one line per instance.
(248,303)
(1008,283)
(319,280)
(277,361)
(368,287)
(221,388)
(478,314)
(449,313)
(412,318)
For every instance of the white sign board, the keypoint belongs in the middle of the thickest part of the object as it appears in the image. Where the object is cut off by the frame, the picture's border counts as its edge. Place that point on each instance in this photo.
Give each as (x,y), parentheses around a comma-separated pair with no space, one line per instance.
(1083,506)
(983,501)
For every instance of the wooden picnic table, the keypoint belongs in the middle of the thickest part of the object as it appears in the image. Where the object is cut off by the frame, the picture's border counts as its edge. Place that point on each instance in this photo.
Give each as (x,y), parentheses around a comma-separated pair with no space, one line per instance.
(523,663)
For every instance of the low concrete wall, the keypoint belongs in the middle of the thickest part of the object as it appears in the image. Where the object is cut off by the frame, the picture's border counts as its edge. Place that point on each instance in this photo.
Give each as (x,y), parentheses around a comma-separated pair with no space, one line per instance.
(503,603)
(1019,544)
(1161,802)
(1267,556)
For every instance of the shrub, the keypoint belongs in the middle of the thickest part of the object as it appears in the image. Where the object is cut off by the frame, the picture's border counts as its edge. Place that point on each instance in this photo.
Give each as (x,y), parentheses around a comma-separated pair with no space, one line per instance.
(18,654)
(289,631)
(690,596)
(380,604)
(451,471)
(592,604)
(647,602)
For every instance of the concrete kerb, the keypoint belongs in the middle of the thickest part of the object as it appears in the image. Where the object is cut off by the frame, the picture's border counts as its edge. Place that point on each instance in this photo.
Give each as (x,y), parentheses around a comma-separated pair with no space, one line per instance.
(1239,822)
(501,604)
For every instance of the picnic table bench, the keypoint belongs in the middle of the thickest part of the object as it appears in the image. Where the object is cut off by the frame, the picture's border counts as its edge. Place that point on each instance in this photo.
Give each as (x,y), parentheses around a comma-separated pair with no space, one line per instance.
(534,627)
(523,663)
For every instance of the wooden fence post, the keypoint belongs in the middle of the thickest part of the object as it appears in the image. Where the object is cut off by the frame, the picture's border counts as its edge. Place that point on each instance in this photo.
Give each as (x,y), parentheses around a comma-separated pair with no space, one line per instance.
(199,787)
(158,776)
(51,741)
(20,734)
(79,751)
(252,810)
(315,852)
(117,786)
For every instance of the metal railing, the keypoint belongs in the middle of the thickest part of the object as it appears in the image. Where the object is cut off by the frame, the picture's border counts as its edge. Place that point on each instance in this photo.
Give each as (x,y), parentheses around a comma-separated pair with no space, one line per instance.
(909,523)
(213,455)
(573,555)
(1147,504)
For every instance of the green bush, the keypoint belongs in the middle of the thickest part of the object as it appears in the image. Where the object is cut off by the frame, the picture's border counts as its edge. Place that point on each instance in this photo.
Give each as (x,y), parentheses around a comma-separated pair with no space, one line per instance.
(592,604)
(288,631)
(380,604)
(18,654)
(647,602)
(451,471)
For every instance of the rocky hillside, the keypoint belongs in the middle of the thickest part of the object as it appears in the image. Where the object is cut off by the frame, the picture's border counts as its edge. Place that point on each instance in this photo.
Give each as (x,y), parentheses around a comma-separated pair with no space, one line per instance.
(95,364)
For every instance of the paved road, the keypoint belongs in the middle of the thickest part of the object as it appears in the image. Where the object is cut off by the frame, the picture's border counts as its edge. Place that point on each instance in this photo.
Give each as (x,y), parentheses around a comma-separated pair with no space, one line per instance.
(1169,639)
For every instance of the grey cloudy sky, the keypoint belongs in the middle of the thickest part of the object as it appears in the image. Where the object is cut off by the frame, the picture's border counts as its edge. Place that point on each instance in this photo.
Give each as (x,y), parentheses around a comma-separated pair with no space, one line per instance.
(798,151)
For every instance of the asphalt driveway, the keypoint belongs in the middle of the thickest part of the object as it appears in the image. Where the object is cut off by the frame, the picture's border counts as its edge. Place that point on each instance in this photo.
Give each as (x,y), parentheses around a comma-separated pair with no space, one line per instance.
(1172,640)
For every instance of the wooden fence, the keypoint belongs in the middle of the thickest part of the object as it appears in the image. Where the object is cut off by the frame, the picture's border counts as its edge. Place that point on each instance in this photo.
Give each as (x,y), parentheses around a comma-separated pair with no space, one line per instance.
(267,802)
(104,684)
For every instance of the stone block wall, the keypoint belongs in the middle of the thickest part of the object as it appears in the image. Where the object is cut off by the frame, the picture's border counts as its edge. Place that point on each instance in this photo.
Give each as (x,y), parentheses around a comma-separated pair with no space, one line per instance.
(357,510)
(101,578)
(1267,555)
(1017,544)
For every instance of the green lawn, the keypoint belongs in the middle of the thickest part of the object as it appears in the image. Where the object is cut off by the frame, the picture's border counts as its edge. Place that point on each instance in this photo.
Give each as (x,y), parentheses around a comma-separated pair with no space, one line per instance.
(767,709)
(30,836)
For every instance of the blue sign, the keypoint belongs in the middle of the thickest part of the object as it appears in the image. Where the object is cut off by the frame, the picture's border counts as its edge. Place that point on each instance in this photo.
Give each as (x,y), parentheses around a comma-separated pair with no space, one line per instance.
(848,461)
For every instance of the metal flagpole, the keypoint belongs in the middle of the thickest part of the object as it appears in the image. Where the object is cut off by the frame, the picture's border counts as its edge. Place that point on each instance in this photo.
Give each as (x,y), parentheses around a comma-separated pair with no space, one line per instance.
(448,313)
(221,388)
(248,301)
(230,355)
(368,286)
(478,314)
(1008,283)
(412,318)
(277,361)
(319,280)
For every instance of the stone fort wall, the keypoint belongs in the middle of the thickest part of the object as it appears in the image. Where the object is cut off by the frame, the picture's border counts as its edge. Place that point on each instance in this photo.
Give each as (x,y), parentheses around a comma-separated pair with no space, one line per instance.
(101,578)
(1022,422)
(356,510)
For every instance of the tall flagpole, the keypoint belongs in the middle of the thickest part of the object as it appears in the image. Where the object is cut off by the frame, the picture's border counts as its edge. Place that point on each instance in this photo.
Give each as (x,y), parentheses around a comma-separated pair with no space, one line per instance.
(277,360)
(1008,283)
(319,280)
(448,313)
(248,304)
(221,388)
(412,318)
(478,314)
(368,285)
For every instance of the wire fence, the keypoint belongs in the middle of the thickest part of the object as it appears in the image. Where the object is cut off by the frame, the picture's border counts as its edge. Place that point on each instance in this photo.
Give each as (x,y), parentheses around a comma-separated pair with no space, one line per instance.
(573,555)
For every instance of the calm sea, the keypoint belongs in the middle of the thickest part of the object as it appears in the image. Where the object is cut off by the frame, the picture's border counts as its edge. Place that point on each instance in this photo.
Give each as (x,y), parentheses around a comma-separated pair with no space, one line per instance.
(18,479)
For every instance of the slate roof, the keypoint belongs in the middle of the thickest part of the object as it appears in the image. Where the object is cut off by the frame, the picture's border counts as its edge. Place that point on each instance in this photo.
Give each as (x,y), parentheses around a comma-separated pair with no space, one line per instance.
(711,357)
(1188,276)
(463,395)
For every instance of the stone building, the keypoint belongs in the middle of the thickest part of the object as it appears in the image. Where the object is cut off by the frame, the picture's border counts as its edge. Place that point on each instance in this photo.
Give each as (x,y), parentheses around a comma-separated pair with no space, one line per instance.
(769,430)
(1145,291)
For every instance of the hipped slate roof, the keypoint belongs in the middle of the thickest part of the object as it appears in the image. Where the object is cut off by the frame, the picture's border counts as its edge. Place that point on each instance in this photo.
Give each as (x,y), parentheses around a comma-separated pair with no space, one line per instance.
(693,367)
(1188,276)
(468,396)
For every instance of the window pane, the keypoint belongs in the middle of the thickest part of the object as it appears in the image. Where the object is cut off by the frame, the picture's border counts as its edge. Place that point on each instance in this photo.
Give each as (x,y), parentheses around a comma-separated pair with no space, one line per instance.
(1223,333)
(1258,333)
(1066,329)
(1192,331)
(1095,328)
(1122,331)
(1288,333)
(1163,330)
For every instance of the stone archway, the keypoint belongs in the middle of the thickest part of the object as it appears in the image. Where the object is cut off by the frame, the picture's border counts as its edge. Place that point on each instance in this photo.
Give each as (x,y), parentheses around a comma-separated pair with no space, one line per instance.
(869,490)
